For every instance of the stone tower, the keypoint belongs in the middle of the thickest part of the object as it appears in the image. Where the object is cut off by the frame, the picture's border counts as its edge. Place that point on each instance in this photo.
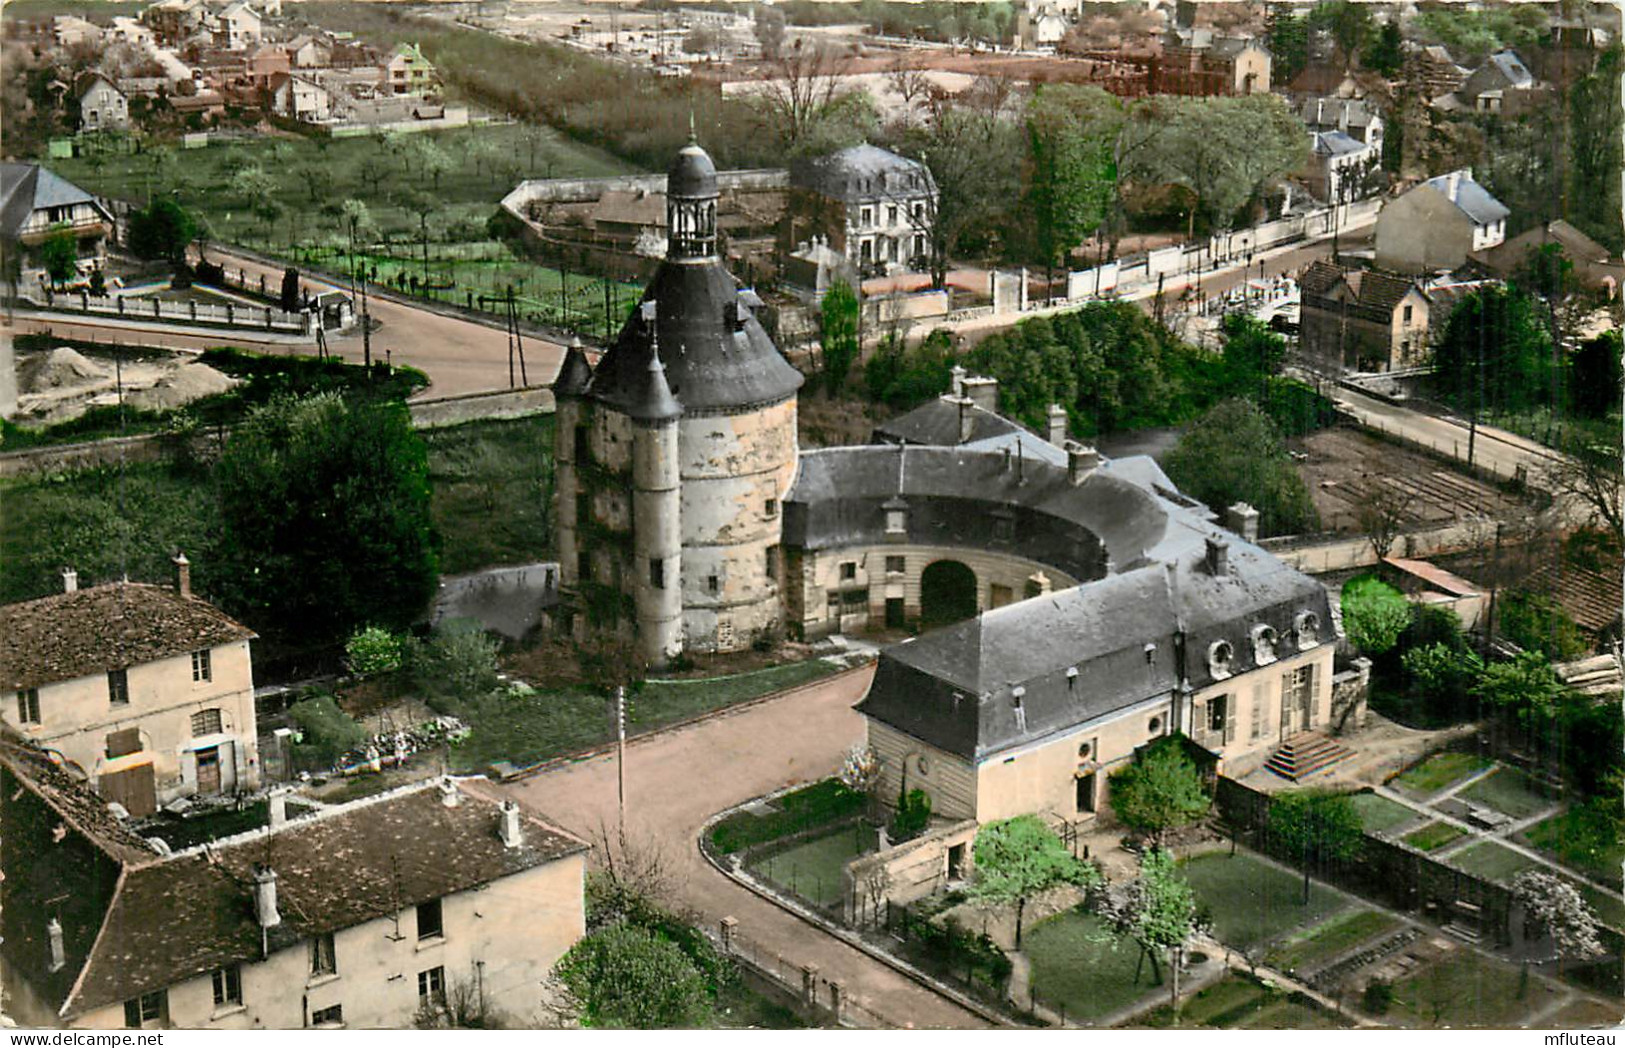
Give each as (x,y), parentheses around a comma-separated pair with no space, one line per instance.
(675,453)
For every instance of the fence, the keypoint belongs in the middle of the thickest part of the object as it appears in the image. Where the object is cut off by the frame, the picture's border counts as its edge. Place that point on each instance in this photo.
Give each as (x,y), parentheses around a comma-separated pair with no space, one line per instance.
(227,315)
(815,996)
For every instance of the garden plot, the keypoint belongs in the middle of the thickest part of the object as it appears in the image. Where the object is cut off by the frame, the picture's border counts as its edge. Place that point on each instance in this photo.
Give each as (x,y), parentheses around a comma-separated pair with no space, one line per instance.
(813,867)
(1439,772)
(1254,902)
(1379,814)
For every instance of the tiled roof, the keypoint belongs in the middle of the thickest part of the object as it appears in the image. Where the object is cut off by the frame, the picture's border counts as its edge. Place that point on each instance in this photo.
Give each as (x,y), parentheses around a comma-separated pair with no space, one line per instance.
(1592,599)
(26,188)
(1320,277)
(70,635)
(178,917)
(1435,576)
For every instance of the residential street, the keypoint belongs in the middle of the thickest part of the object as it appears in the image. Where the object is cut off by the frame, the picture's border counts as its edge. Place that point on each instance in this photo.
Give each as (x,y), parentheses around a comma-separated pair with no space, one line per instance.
(676,780)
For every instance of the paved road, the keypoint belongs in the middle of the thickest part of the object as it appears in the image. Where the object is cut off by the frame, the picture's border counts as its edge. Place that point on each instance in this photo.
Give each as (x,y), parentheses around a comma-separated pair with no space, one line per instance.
(1494,449)
(676,780)
(458,355)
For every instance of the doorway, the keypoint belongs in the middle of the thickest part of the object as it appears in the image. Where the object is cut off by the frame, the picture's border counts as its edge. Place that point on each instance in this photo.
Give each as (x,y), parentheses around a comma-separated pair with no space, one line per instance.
(947,593)
(208,770)
(956,862)
(894,613)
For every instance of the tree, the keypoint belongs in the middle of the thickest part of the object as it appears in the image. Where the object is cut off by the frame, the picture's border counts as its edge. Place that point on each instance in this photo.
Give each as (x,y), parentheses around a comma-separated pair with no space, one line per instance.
(1073,179)
(1381,514)
(251,185)
(1587,475)
(912,816)
(459,663)
(1438,674)
(805,91)
(325,521)
(162,229)
(1161,791)
(1374,614)
(1525,686)
(838,334)
(60,255)
(1288,36)
(769,29)
(1594,118)
(1495,352)
(1555,908)
(1017,858)
(433,162)
(1595,380)
(626,977)
(1347,21)
(1253,354)
(1317,826)
(701,39)
(1156,911)
(1234,454)
(1386,52)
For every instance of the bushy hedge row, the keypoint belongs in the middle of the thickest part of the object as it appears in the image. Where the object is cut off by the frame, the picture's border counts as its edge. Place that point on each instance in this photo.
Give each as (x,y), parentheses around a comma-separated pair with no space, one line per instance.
(822,802)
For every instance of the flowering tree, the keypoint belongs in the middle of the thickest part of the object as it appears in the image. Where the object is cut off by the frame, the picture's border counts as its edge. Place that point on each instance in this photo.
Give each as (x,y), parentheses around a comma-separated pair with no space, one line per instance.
(860,769)
(1557,909)
(1156,911)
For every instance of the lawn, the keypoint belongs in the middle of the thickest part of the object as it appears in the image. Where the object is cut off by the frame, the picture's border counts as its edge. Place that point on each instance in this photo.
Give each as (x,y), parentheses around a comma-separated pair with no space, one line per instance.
(1492,861)
(1433,836)
(525,729)
(741,1006)
(1582,838)
(1586,1015)
(492,489)
(1075,966)
(1379,813)
(1337,936)
(1469,990)
(298,219)
(1507,790)
(1238,1002)
(810,806)
(812,868)
(1438,772)
(1254,902)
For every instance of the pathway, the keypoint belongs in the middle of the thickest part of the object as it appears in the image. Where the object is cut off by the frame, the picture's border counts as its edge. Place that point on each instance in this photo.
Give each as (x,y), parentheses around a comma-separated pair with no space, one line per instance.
(677,779)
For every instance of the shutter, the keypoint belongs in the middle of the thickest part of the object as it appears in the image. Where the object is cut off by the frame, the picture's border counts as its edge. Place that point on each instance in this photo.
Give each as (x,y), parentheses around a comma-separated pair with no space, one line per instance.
(1257,731)
(1230,718)
(1313,697)
(123,743)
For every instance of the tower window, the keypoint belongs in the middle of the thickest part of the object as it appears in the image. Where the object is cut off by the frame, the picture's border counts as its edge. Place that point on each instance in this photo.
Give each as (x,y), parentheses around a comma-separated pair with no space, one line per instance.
(583,444)
(771,507)
(713,584)
(657,572)
(118,687)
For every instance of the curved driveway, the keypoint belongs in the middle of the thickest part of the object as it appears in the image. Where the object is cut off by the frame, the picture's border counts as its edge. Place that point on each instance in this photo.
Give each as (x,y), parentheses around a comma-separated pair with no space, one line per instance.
(675,780)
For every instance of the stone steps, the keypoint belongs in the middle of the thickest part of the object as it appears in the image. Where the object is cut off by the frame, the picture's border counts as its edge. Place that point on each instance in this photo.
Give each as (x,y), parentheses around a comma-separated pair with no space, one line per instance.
(1306,754)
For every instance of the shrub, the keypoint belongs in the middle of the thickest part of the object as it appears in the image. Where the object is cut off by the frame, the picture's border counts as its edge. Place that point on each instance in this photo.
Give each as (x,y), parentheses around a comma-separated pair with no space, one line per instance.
(326,732)
(458,663)
(372,651)
(802,809)
(913,815)
(1378,996)
(1374,614)
(1533,622)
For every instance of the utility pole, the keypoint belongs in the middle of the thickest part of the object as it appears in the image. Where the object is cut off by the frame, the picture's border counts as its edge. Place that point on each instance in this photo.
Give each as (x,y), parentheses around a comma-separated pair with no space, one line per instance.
(620,749)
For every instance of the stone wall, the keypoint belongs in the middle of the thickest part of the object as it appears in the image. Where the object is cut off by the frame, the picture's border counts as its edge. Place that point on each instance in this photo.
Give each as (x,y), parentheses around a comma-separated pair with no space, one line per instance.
(1350,690)
(510,601)
(909,871)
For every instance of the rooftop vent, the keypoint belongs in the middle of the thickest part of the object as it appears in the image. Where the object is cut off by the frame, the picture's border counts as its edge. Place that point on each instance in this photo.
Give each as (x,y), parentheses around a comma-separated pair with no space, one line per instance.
(265,897)
(1218,557)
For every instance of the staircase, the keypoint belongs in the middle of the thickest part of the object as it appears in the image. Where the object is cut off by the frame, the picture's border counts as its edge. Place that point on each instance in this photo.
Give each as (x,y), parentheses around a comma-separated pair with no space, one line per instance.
(1305,754)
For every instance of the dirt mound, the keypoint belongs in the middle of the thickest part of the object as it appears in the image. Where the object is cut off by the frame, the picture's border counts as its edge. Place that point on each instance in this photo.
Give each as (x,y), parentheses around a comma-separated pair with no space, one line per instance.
(58,368)
(181,386)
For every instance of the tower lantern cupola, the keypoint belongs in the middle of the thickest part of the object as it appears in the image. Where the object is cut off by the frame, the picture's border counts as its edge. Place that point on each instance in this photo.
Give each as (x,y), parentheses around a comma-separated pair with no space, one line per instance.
(691,205)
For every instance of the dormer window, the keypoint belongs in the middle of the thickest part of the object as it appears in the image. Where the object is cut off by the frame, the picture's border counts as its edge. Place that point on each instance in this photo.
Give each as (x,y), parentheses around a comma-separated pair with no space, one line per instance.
(1016,695)
(896,517)
(1264,639)
(1307,628)
(1220,655)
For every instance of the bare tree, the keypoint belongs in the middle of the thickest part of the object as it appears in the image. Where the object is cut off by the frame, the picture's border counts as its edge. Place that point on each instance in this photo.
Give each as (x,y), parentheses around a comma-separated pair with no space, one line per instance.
(805,82)
(1382,514)
(1586,480)
(877,883)
(910,83)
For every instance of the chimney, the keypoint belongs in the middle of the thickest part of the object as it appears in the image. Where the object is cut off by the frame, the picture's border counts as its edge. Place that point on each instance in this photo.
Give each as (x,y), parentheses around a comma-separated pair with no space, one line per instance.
(278,801)
(1218,557)
(984,391)
(70,580)
(448,793)
(1081,460)
(967,418)
(265,896)
(1243,520)
(956,380)
(511,837)
(1057,425)
(59,956)
(183,574)
(1453,185)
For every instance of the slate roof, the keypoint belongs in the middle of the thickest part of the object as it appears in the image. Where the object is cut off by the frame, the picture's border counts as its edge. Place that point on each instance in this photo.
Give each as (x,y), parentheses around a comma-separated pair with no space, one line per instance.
(177,917)
(1473,199)
(1375,292)
(1336,112)
(1336,143)
(862,173)
(1511,67)
(26,188)
(70,635)
(937,422)
(1019,674)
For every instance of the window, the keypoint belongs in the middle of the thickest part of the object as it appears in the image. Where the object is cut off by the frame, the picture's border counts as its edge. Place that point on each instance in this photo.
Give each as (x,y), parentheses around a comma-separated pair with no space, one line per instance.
(896,565)
(855,598)
(429,926)
(206,722)
(118,687)
(891,215)
(770,562)
(123,743)
(771,507)
(228,987)
(200,666)
(583,510)
(919,212)
(323,956)
(583,447)
(1256,731)
(432,986)
(865,217)
(1154,726)
(657,572)
(328,1017)
(1215,712)
(713,584)
(849,570)
(1408,311)
(28,706)
(148,1008)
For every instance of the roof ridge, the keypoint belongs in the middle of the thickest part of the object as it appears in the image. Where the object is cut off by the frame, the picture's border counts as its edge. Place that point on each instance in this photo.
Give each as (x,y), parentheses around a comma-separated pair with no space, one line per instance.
(95,944)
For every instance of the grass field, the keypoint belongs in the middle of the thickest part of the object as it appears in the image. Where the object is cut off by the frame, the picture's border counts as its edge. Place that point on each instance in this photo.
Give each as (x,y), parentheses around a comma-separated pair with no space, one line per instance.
(1468,990)
(1438,772)
(1433,836)
(1336,936)
(1076,964)
(1507,790)
(530,728)
(1254,902)
(492,488)
(1492,861)
(299,220)
(1582,838)
(812,869)
(1378,813)
(1237,1002)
